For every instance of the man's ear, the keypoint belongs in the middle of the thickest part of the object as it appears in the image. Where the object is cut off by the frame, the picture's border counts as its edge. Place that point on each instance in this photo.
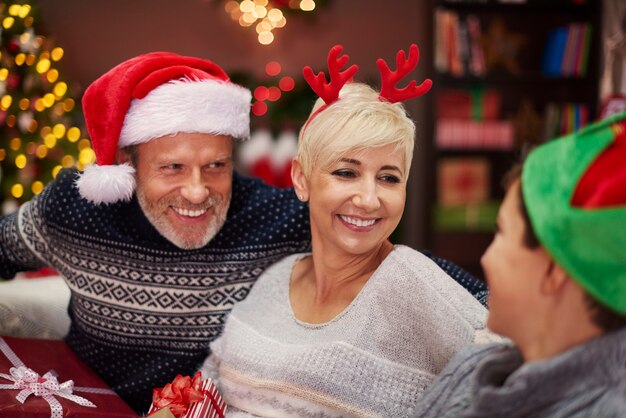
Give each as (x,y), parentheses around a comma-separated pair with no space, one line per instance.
(124,157)
(299,180)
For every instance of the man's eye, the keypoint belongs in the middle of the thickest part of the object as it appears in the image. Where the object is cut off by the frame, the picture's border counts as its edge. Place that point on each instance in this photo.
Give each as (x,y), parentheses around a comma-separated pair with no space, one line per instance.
(172,167)
(344,173)
(217,164)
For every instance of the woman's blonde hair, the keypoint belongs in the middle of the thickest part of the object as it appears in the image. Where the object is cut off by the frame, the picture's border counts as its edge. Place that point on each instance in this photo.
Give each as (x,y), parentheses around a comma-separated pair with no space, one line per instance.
(358,120)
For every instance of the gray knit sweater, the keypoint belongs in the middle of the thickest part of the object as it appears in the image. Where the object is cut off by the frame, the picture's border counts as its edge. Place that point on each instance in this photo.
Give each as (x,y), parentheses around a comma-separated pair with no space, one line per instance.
(492,381)
(373,359)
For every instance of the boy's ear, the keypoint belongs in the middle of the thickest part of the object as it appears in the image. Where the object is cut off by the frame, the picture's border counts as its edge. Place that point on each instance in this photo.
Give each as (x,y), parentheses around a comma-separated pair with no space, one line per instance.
(555,279)
(299,181)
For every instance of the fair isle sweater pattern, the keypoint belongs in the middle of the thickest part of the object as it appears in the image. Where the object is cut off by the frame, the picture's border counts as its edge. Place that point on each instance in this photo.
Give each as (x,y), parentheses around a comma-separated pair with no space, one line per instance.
(142,309)
(371,360)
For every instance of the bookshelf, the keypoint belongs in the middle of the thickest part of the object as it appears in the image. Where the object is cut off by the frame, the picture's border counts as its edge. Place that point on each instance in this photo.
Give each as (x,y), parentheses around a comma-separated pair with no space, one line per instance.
(507,75)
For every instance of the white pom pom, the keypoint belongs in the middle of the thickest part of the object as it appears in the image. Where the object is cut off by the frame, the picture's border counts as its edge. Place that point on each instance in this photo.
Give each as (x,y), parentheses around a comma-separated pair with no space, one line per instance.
(107,184)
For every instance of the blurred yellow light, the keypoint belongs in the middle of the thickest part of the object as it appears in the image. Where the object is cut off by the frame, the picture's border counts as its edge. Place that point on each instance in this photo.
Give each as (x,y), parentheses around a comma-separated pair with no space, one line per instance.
(248,18)
(8,22)
(56,170)
(52,75)
(275,15)
(282,22)
(87,156)
(68,104)
(260,2)
(15,144)
(41,151)
(236,14)
(40,105)
(3,154)
(44,55)
(24,103)
(24,11)
(307,5)
(50,141)
(59,130)
(43,65)
(33,126)
(263,27)
(17,191)
(48,99)
(5,102)
(230,6)
(30,59)
(83,143)
(20,58)
(20,161)
(67,161)
(246,6)
(14,9)
(28,22)
(4,73)
(243,22)
(73,134)
(30,148)
(37,187)
(266,38)
(60,89)
(260,12)
(45,131)
(57,54)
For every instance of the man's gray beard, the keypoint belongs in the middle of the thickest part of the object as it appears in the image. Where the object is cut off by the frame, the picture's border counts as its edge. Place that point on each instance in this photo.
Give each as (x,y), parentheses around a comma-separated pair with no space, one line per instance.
(168,232)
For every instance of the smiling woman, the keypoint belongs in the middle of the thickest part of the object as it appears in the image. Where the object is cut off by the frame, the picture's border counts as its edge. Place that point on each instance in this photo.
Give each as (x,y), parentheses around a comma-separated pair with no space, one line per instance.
(359,326)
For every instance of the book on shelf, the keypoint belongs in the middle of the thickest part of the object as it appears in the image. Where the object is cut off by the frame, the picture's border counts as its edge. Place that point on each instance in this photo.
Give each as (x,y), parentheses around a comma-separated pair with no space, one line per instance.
(475,103)
(471,134)
(462,181)
(564,118)
(457,44)
(477,217)
(566,52)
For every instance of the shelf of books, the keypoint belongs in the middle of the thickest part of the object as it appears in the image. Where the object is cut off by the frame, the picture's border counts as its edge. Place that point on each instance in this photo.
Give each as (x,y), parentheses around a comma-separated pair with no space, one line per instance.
(509,75)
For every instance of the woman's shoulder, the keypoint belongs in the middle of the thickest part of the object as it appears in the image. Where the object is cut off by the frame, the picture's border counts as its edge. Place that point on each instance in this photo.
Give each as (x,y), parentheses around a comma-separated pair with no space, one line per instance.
(414,273)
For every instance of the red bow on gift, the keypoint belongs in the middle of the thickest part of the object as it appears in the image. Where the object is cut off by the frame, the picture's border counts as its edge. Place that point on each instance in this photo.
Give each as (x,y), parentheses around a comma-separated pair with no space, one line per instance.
(178,395)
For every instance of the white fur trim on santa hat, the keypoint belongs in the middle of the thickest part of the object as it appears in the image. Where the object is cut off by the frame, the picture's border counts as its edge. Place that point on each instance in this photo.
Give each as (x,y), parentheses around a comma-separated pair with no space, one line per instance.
(204,106)
(107,184)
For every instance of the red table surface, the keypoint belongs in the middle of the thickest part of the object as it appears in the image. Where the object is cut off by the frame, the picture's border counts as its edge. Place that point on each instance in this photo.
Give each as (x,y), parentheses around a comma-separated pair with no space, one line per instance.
(43,356)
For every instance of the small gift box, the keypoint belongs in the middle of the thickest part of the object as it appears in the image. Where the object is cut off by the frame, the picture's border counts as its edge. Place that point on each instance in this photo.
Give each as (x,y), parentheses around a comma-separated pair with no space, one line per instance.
(44,378)
(187,398)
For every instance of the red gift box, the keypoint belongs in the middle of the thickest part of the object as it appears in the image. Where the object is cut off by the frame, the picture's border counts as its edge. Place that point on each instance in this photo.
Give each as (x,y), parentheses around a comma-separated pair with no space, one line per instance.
(54,356)
(187,398)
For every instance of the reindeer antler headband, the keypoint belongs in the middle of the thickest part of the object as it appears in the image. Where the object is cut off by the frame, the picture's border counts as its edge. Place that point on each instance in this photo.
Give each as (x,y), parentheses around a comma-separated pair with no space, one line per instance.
(329,91)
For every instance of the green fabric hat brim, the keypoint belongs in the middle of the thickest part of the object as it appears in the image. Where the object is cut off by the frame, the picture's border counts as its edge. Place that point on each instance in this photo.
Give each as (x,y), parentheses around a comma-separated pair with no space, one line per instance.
(589,244)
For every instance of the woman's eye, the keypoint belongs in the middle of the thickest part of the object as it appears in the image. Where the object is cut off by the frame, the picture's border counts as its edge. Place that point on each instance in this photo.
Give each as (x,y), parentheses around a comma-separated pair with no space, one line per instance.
(344,173)
(390,178)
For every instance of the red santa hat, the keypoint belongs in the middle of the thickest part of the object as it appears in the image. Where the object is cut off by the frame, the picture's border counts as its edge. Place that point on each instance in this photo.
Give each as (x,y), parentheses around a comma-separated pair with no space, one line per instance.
(150,96)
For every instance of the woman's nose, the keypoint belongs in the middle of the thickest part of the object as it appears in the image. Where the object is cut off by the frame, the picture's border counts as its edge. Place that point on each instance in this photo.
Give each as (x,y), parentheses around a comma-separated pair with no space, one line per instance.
(195,189)
(366,196)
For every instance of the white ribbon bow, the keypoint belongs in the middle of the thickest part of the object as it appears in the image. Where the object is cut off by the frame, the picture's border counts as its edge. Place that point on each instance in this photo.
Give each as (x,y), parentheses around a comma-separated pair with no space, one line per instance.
(46,387)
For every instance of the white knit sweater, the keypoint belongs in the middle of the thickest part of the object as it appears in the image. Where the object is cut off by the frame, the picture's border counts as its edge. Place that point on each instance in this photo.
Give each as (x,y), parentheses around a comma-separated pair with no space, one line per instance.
(373,359)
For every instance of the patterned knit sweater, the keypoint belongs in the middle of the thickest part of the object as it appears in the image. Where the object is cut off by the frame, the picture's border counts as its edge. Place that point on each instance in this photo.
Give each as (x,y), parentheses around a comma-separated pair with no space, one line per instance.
(142,309)
(371,360)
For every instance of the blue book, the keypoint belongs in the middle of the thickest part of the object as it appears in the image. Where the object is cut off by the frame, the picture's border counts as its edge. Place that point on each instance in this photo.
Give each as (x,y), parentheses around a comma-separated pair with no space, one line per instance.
(554,52)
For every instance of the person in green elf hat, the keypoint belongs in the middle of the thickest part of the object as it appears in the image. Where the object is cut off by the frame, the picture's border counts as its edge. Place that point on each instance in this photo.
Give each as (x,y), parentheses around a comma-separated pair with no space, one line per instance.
(556,272)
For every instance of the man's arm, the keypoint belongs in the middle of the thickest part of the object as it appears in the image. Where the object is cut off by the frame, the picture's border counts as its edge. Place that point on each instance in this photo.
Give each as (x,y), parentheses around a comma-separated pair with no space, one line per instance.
(15,255)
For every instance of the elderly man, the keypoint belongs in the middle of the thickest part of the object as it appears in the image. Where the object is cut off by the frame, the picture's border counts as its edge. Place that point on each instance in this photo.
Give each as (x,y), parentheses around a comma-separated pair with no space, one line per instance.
(157,248)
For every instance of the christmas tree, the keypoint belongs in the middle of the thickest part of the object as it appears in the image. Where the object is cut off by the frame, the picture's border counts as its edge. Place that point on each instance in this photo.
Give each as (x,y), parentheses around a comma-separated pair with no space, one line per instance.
(41,124)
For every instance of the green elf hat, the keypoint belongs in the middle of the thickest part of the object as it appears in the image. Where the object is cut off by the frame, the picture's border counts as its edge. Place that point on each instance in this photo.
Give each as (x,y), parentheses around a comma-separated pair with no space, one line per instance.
(574,189)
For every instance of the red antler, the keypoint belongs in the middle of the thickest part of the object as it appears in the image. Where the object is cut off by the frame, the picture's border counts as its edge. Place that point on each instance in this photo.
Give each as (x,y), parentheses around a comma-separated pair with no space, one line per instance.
(389,78)
(329,92)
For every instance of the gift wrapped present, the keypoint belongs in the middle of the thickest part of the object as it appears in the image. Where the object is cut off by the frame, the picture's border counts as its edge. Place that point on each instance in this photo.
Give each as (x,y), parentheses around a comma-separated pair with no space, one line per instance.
(44,378)
(187,398)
